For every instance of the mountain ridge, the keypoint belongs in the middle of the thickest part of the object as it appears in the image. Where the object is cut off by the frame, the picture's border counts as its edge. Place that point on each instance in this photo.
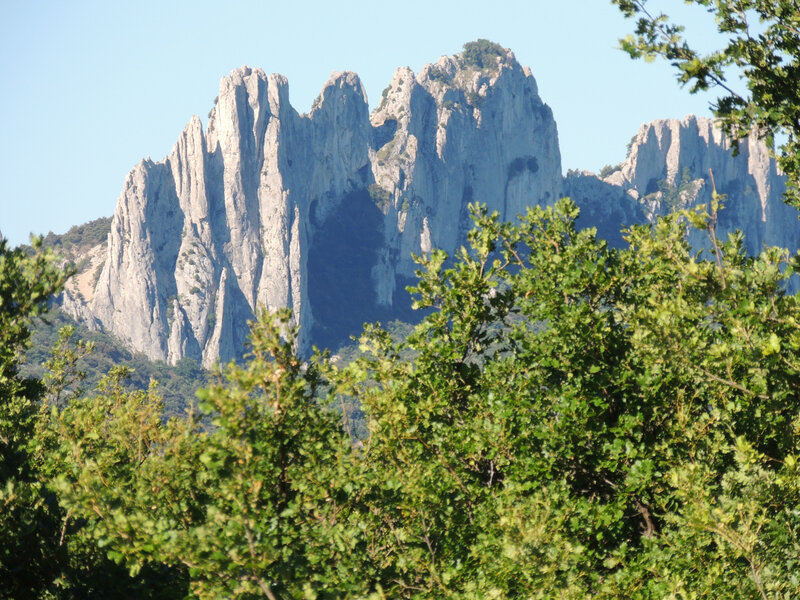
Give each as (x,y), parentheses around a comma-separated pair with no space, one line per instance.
(256,209)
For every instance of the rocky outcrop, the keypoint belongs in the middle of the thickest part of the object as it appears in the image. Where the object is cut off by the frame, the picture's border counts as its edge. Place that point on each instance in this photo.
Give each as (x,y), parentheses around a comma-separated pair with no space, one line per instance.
(319,212)
(670,165)
(460,134)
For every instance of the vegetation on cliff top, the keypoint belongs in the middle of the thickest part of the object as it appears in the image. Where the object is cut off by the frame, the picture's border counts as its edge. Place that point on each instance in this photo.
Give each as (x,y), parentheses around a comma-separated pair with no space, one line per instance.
(482,54)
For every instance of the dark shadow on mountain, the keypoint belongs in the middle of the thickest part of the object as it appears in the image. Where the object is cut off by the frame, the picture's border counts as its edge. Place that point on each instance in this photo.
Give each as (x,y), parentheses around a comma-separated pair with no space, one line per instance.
(383,133)
(343,252)
(604,206)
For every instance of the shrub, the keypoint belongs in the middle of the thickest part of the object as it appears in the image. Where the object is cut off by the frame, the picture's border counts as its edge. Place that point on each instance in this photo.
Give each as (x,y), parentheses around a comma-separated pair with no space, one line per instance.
(475,99)
(378,194)
(608,170)
(482,54)
(436,74)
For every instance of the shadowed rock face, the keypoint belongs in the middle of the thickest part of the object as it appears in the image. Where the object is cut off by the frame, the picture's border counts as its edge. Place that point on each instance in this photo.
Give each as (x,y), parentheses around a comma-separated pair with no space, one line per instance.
(343,298)
(319,212)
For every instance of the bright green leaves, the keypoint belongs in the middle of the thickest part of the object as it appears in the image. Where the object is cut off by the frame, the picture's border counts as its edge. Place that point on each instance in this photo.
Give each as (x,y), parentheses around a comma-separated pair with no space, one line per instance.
(244,499)
(568,388)
(569,420)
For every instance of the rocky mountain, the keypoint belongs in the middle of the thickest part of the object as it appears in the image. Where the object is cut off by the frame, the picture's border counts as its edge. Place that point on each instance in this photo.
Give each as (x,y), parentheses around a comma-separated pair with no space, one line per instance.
(321,212)
(670,165)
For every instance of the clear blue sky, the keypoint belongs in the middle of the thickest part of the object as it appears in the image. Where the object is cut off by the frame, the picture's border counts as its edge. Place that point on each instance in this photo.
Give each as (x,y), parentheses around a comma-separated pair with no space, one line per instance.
(91,87)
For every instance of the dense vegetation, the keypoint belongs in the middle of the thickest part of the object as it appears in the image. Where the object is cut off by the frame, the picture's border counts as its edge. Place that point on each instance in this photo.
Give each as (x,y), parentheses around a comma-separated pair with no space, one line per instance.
(569,420)
(176,385)
(482,54)
(80,237)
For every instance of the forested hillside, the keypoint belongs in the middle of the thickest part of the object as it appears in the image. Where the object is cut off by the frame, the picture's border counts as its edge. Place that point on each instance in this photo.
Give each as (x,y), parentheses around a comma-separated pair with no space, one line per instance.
(177,385)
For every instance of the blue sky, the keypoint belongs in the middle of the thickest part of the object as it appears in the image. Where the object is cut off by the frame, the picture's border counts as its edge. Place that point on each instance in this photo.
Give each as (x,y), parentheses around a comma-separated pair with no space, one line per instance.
(91,87)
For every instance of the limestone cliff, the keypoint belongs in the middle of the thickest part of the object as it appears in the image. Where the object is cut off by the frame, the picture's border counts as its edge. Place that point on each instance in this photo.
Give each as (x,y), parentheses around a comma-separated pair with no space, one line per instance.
(319,212)
(669,165)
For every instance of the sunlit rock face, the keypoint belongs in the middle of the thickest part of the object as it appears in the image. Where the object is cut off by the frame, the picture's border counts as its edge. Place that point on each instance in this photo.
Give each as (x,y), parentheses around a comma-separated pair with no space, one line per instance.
(319,212)
(676,164)
(322,212)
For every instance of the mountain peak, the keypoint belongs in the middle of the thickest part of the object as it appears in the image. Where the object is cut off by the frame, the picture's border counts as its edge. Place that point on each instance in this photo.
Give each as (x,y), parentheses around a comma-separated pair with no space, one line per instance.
(480,62)
(318,212)
(321,212)
(341,86)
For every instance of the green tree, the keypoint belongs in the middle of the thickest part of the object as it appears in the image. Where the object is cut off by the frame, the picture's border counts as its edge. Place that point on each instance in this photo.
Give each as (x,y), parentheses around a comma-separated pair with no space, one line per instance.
(582,421)
(245,499)
(44,551)
(482,54)
(30,560)
(569,420)
(762,47)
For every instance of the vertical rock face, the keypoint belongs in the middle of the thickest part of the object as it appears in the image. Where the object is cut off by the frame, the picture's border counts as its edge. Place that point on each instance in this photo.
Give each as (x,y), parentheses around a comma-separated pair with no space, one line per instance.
(670,165)
(319,212)
(456,134)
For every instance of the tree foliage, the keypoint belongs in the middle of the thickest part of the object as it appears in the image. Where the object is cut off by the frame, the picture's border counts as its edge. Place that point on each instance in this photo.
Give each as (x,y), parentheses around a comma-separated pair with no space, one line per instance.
(569,420)
(242,499)
(177,384)
(26,515)
(762,47)
(482,54)
(583,421)
(44,551)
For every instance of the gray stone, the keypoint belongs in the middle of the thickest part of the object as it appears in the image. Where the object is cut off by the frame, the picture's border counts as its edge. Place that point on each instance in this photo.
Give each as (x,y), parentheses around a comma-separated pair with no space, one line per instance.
(318,212)
(321,212)
(670,165)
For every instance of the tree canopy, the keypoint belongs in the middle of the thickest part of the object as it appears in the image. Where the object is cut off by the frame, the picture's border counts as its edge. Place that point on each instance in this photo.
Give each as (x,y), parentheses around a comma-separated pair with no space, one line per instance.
(570,420)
